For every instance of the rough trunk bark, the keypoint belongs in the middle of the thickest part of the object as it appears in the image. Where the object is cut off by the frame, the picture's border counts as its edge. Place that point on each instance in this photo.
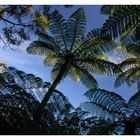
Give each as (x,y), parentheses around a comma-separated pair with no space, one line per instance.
(50,91)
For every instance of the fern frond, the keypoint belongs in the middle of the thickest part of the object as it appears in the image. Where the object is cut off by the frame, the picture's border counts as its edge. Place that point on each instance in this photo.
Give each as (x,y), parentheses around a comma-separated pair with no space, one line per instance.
(76,27)
(99,66)
(133,49)
(129,63)
(95,42)
(44,37)
(106,104)
(58,28)
(122,19)
(52,59)
(129,76)
(42,48)
(3,67)
(131,71)
(85,76)
(60,102)
(75,74)
(133,104)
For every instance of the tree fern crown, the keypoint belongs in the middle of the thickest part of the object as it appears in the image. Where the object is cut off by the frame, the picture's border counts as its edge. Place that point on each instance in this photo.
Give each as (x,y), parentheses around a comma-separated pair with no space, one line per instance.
(69,43)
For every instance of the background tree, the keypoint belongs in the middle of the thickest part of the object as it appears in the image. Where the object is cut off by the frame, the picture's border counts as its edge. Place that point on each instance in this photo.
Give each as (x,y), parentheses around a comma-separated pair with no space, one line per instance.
(73,123)
(34,86)
(70,51)
(20,94)
(16,111)
(113,108)
(131,65)
(19,21)
(124,20)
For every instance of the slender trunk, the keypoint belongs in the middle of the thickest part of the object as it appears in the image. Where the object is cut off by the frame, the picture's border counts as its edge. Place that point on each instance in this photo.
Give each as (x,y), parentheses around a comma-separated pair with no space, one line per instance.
(50,90)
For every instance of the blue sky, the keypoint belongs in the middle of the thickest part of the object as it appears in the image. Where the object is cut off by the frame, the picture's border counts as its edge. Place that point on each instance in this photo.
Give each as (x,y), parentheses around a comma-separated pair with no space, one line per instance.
(73,90)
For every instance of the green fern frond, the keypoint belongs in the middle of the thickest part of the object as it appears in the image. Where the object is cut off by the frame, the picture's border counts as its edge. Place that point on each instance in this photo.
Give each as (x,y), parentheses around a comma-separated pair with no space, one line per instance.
(95,42)
(76,27)
(100,66)
(122,19)
(41,48)
(75,74)
(129,76)
(48,39)
(58,28)
(129,63)
(85,77)
(52,59)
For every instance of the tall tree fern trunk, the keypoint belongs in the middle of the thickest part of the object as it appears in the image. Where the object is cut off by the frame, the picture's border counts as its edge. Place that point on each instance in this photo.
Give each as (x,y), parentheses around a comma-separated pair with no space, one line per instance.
(50,90)
(129,128)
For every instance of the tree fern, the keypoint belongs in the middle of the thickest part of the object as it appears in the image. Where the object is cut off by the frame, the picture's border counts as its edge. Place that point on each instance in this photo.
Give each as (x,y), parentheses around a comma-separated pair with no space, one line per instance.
(17,82)
(66,48)
(124,20)
(114,111)
(121,19)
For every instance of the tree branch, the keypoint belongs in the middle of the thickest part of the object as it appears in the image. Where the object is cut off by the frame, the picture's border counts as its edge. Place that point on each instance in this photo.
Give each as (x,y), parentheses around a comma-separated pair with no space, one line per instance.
(17,24)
